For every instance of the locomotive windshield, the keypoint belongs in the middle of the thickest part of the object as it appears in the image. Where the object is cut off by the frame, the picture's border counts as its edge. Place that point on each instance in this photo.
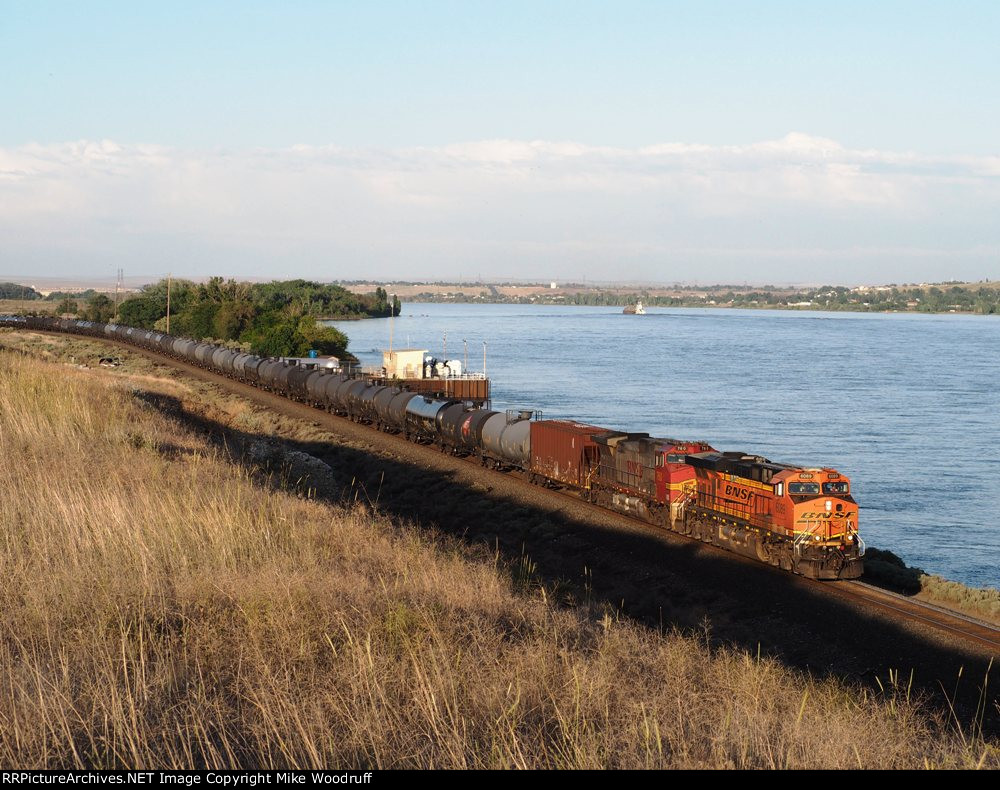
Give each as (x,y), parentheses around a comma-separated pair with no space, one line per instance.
(834,488)
(803,488)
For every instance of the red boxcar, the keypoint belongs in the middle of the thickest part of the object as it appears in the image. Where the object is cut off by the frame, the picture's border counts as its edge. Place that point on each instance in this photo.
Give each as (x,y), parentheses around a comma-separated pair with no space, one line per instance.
(565,451)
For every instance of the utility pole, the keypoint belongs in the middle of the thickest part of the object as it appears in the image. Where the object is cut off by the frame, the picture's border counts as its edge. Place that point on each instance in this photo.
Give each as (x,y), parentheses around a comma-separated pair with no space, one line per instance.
(484,359)
(392,316)
(118,285)
(445,347)
(465,366)
(168,303)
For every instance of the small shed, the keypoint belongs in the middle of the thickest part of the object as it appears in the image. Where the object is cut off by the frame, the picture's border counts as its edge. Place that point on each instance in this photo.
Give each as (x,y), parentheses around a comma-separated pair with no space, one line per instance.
(404,363)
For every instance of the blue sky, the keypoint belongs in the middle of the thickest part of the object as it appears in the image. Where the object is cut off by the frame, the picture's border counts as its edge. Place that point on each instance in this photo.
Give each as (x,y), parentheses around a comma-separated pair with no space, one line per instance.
(903,97)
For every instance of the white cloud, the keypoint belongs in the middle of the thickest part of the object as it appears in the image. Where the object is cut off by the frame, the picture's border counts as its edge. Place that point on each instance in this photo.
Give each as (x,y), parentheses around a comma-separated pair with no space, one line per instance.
(518,208)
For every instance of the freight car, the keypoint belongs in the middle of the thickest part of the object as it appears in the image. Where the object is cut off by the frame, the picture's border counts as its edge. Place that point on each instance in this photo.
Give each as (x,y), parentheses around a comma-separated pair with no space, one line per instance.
(801,520)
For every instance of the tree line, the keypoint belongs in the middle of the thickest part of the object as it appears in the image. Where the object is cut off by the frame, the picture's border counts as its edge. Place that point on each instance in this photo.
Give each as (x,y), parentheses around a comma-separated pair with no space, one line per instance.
(272,319)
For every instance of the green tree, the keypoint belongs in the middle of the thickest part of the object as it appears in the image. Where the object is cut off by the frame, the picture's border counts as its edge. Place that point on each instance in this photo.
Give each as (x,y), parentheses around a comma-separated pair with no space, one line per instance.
(143,312)
(232,318)
(66,307)
(15,291)
(99,308)
(324,339)
(198,320)
(277,340)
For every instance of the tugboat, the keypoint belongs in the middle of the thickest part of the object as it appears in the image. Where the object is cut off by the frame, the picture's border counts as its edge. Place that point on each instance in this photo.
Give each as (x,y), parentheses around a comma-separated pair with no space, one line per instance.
(636,309)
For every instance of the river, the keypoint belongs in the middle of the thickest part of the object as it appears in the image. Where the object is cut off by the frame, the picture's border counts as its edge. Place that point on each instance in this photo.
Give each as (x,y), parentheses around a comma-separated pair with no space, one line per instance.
(907,405)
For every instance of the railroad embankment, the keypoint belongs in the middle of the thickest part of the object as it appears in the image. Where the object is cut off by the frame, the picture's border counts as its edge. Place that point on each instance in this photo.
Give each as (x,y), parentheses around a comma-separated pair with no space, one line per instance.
(887,570)
(166,600)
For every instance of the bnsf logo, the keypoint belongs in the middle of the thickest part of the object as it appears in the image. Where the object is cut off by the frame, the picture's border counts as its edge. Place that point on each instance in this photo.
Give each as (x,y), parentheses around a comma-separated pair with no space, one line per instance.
(634,468)
(825,514)
(742,494)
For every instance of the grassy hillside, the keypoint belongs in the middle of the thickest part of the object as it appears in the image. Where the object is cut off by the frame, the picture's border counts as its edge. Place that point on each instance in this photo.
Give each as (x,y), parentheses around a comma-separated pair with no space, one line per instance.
(161,605)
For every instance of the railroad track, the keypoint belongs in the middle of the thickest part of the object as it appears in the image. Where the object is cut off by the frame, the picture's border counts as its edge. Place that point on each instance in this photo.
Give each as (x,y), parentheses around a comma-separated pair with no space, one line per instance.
(980,631)
(984,635)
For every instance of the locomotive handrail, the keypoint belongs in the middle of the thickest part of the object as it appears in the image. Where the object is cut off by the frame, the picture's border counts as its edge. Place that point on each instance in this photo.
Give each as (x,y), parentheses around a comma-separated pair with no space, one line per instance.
(803,537)
(857,535)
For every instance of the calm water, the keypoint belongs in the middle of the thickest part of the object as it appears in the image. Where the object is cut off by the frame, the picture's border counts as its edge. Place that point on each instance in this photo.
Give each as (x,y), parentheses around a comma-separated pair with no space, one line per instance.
(906,405)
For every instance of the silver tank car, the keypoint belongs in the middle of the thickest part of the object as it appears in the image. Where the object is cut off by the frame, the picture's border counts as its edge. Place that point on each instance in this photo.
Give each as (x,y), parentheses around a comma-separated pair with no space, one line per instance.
(508,440)
(203,352)
(282,376)
(397,410)
(339,401)
(381,402)
(268,372)
(365,403)
(330,388)
(316,385)
(423,416)
(239,364)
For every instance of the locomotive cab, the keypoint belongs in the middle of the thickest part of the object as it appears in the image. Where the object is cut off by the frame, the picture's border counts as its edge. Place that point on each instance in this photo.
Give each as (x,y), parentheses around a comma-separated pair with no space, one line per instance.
(817,511)
(816,505)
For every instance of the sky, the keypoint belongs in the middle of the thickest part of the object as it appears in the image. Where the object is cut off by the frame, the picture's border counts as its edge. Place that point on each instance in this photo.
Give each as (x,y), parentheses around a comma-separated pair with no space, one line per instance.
(759,142)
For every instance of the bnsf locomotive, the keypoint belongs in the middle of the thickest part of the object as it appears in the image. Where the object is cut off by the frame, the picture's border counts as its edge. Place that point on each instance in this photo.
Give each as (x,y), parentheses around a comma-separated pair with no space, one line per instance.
(801,520)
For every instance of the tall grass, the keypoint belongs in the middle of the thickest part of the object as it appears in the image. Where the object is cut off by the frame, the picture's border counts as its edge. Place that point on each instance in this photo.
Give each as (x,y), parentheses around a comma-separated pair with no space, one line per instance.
(159,606)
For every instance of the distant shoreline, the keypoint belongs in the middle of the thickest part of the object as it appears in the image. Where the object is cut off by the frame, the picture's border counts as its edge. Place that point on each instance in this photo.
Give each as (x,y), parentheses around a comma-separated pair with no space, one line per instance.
(782,308)
(934,298)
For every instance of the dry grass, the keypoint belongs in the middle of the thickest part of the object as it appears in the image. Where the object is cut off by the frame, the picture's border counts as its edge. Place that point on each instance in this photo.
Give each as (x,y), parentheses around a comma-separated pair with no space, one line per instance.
(16,306)
(160,607)
(981,602)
